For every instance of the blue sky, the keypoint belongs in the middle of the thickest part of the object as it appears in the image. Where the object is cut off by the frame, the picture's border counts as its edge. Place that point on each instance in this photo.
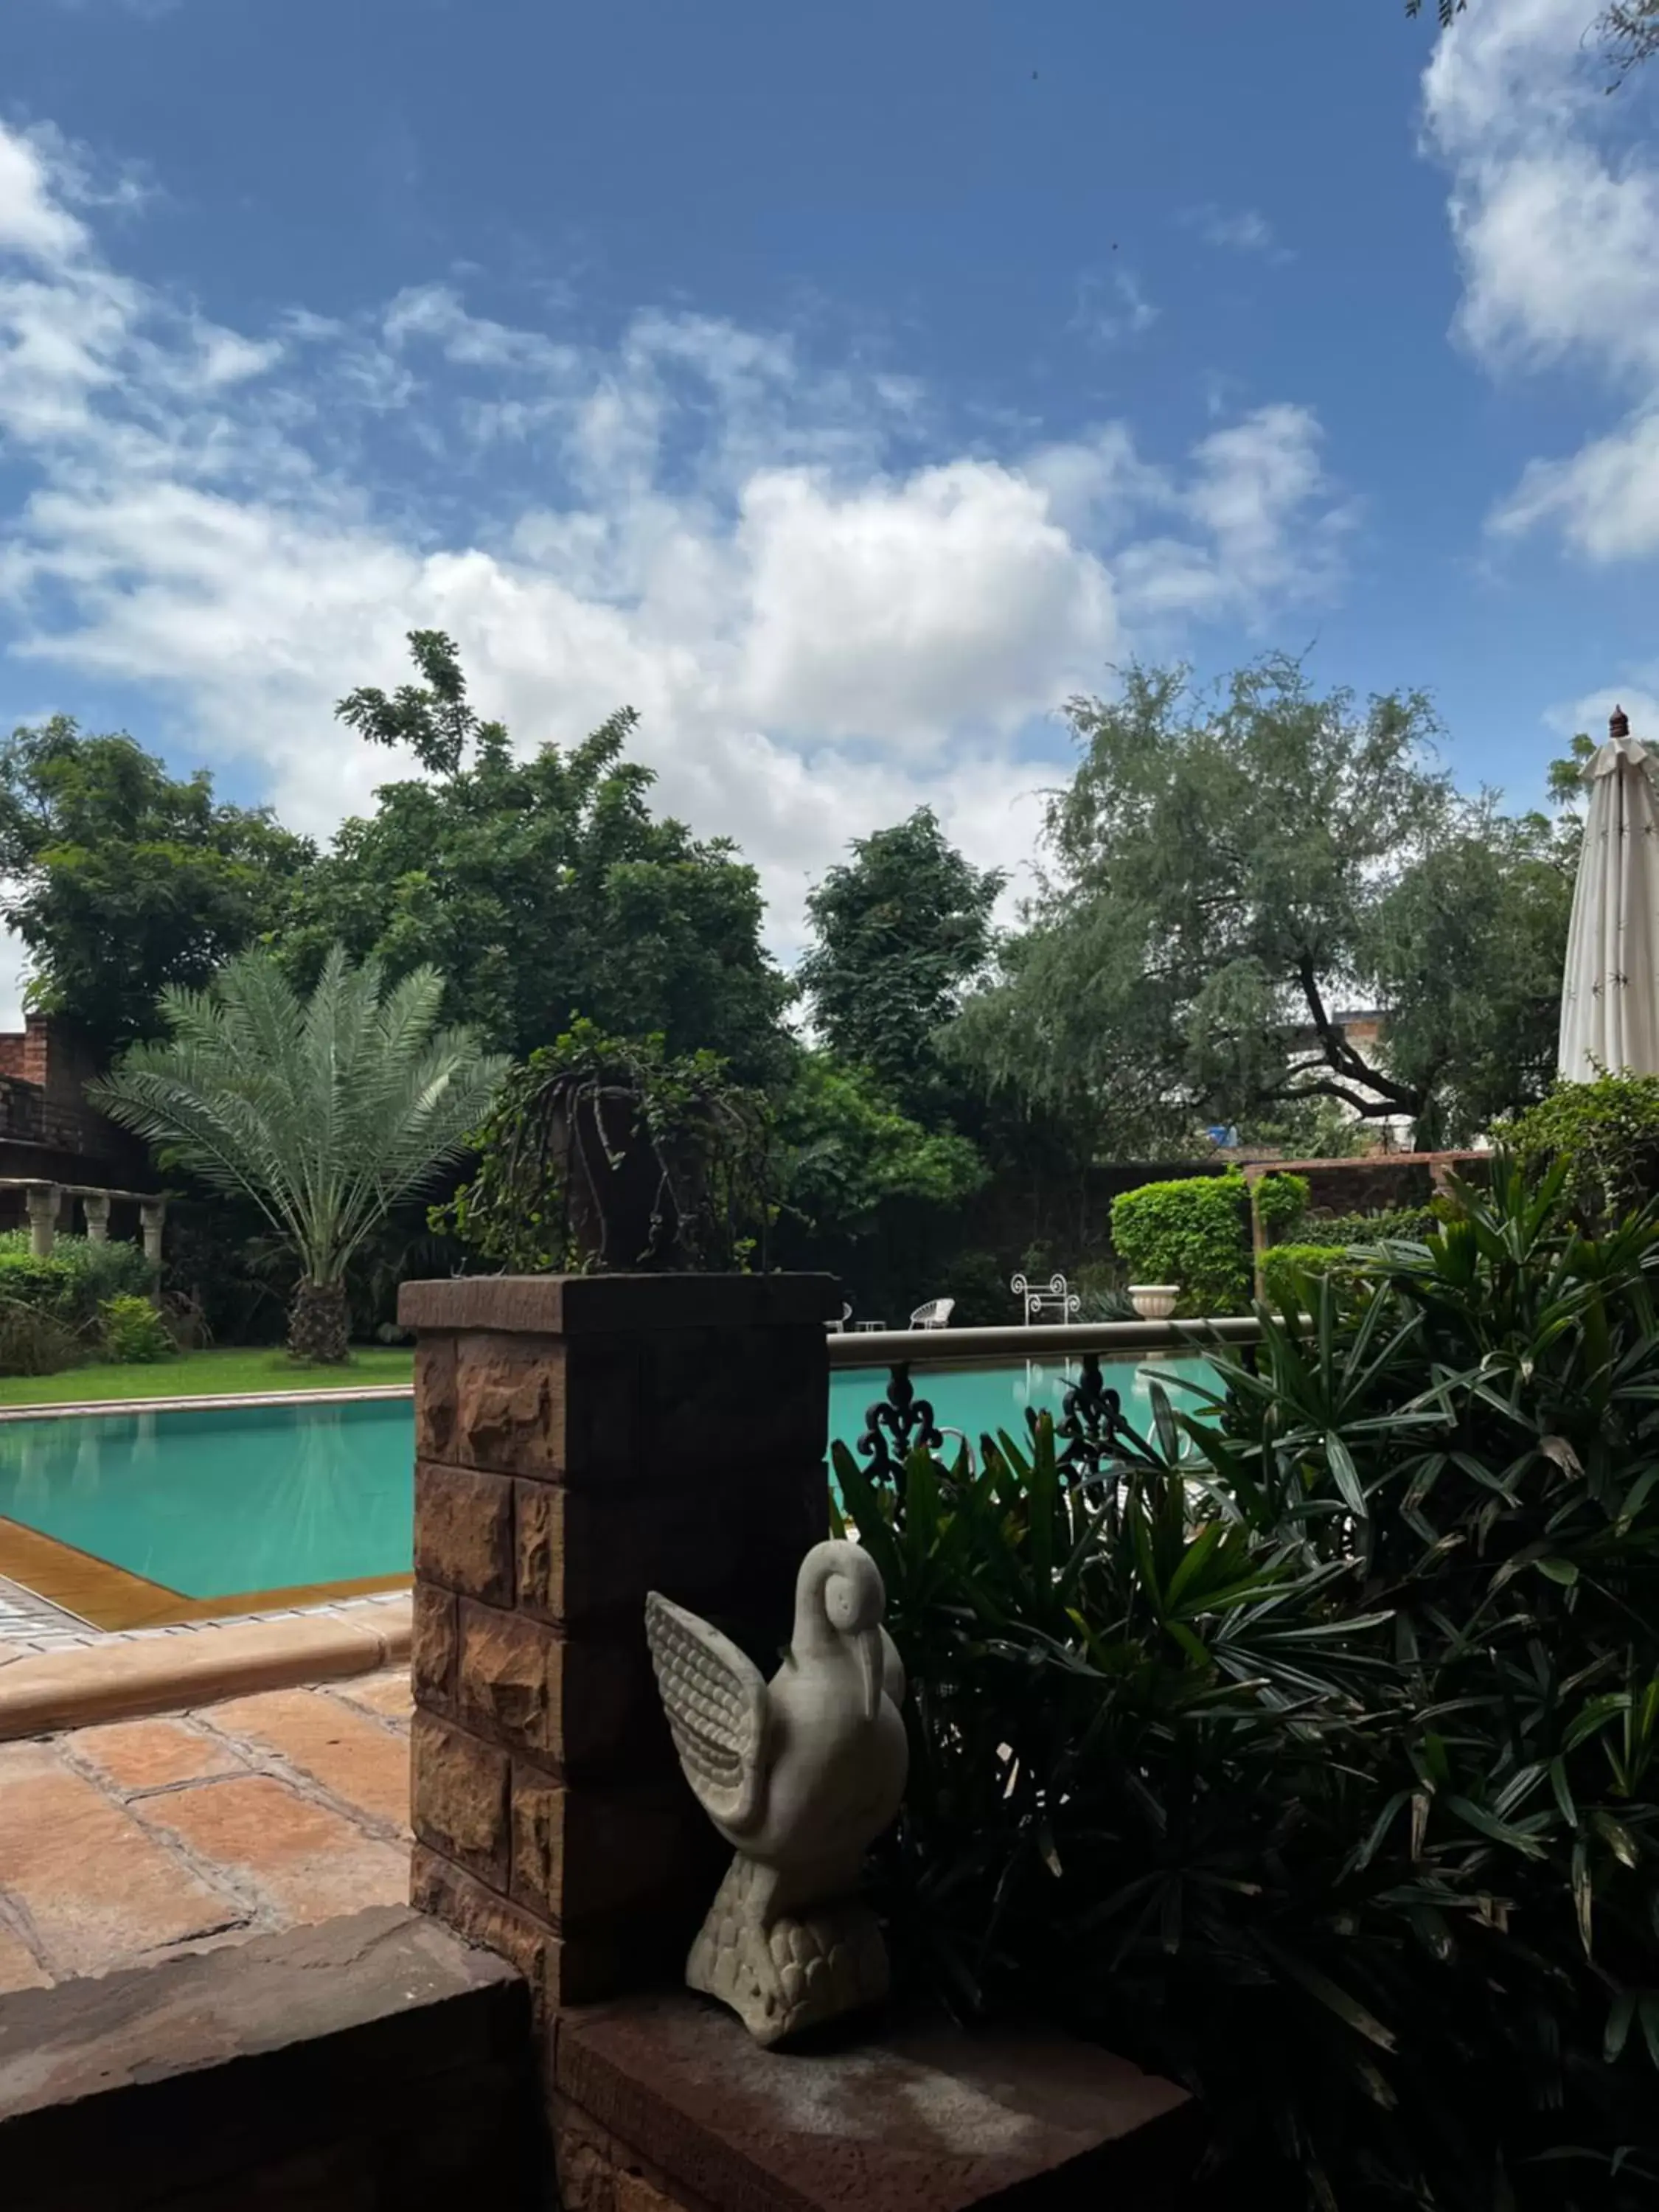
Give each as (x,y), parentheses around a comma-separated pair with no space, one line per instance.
(844,388)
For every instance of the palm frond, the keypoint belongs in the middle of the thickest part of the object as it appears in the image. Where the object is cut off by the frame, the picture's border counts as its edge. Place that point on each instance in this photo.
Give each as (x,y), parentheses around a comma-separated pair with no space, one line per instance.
(325,1110)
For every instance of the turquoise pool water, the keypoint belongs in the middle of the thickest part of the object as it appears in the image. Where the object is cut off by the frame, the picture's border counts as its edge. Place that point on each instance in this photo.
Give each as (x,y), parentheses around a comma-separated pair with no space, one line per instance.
(231,1501)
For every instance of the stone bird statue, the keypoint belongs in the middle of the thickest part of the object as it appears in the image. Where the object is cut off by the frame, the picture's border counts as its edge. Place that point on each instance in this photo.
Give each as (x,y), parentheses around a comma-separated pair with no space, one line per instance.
(799,1775)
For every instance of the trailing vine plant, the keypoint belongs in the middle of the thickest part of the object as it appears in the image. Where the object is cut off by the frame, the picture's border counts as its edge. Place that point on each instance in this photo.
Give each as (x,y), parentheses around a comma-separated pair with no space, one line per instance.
(607,1153)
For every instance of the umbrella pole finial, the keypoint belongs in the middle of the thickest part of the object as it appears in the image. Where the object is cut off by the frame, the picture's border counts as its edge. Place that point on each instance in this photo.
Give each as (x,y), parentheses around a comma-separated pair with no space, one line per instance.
(1618,723)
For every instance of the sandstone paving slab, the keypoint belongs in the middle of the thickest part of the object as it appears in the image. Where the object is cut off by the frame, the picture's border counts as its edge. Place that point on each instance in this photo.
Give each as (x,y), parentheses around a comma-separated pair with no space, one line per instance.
(388,1694)
(98,1888)
(302,1859)
(19,1968)
(356,1756)
(154,1755)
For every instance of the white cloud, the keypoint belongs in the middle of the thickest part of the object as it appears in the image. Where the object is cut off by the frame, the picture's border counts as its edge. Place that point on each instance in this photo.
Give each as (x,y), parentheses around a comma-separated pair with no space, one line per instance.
(695,518)
(1240,230)
(1112,309)
(1555,211)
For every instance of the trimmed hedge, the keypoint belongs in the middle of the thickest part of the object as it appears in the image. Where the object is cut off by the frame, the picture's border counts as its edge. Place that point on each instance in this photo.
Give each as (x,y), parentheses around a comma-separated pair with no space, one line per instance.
(1403,1224)
(1196,1232)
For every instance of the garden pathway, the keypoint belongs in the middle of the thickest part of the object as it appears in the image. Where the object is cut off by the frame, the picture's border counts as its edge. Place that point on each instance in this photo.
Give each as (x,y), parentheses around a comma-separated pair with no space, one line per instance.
(138,1840)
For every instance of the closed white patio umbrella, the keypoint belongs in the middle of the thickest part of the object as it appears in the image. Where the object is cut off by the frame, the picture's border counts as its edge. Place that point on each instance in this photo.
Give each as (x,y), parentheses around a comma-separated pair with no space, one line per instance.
(1610,993)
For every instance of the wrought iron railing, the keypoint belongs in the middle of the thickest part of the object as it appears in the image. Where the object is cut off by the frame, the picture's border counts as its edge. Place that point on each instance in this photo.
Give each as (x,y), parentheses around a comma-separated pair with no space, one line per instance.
(1090,1429)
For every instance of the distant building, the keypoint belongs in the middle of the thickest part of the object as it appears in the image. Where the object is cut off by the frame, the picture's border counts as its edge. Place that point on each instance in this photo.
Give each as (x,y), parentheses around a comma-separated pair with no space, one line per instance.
(49,1129)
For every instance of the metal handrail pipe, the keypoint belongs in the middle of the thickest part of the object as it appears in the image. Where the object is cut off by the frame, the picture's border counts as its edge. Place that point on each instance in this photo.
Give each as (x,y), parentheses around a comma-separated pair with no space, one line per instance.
(956,1347)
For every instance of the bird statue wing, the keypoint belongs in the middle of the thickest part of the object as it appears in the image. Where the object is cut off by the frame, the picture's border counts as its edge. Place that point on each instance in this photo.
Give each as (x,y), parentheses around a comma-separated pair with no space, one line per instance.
(717,1708)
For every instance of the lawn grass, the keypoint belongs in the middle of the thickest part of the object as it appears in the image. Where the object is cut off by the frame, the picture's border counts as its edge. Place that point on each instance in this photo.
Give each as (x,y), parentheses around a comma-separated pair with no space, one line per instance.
(236,1369)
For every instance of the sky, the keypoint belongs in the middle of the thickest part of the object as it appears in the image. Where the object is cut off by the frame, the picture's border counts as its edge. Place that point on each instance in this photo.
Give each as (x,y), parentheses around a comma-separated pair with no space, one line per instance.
(844,388)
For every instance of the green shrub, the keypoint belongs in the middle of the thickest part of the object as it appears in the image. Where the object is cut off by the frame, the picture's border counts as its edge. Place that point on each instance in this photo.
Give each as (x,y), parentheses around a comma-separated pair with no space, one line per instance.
(1325,1778)
(1606,1137)
(1410,1223)
(1196,1232)
(1280,1202)
(133,1332)
(73,1282)
(34,1343)
(1286,1270)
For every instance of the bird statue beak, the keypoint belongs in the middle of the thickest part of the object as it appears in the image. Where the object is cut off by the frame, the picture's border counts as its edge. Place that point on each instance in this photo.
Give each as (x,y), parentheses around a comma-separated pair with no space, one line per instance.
(867,1643)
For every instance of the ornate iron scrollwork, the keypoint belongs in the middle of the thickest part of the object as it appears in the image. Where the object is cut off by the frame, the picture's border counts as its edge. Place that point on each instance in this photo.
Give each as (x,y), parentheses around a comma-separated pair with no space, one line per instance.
(1087,1431)
(898,1425)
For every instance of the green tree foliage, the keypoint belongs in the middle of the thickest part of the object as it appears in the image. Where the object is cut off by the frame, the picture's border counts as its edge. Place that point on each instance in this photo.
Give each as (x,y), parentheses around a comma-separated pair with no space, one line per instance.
(541,887)
(846,1150)
(1628,29)
(324,1111)
(121,879)
(900,931)
(1223,872)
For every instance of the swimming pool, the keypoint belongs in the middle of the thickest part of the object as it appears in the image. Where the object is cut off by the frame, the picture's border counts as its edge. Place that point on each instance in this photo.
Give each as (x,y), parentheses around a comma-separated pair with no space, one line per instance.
(129,1518)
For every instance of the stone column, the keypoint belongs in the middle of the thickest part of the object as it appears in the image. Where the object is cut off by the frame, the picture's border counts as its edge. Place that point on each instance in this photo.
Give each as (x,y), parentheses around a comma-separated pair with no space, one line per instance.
(152,1214)
(95,1205)
(42,1201)
(579,1441)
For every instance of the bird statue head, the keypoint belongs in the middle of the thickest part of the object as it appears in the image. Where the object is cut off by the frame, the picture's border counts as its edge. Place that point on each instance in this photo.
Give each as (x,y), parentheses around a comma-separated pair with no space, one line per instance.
(839,1581)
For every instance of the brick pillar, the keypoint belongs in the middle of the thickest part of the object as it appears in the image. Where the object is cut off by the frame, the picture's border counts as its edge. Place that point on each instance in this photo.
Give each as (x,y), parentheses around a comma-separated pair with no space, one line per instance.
(580,1440)
(95,1205)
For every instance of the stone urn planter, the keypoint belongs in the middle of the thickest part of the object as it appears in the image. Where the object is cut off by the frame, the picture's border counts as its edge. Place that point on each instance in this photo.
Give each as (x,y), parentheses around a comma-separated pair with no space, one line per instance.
(1154,1301)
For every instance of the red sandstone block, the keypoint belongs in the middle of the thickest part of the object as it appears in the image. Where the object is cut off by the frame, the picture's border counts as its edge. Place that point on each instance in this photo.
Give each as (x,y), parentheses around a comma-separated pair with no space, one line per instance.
(435,1646)
(582,1854)
(583,1305)
(460,1798)
(572,1702)
(463,1531)
(435,1398)
(560,1970)
(509,1402)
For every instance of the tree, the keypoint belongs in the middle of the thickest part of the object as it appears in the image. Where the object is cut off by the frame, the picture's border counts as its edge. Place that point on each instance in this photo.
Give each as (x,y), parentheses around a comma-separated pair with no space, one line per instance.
(122,880)
(1628,29)
(1224,873)
(324,1111)
(543,889)
(901,930)
(847,1150)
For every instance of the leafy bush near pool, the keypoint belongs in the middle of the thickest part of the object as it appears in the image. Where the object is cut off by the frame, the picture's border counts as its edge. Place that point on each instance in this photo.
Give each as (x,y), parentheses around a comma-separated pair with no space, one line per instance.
(74,1280)
(1327,1780)
(1606,1137)
(1409,1224)
(1286,1270)
(1196,1231)
(133,1332)
(33,1343)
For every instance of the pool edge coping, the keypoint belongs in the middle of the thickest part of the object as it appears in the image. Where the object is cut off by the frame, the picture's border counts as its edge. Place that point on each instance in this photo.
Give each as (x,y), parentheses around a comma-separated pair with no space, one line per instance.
(361,1394)
(142,1673)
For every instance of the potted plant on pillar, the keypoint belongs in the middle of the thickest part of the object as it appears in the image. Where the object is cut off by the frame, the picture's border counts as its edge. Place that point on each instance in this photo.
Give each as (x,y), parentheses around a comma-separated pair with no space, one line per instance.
(607,1153)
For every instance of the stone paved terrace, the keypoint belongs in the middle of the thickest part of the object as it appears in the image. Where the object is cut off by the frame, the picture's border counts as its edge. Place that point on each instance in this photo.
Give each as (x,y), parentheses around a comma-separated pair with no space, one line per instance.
(138,1840)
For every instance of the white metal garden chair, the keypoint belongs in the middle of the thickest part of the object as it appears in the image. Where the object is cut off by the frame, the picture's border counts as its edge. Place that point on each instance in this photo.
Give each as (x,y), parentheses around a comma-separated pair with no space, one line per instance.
(936,1313)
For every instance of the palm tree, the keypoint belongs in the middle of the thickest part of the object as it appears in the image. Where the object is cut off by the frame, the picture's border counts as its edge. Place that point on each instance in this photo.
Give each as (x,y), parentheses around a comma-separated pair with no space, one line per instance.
(325,1110)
